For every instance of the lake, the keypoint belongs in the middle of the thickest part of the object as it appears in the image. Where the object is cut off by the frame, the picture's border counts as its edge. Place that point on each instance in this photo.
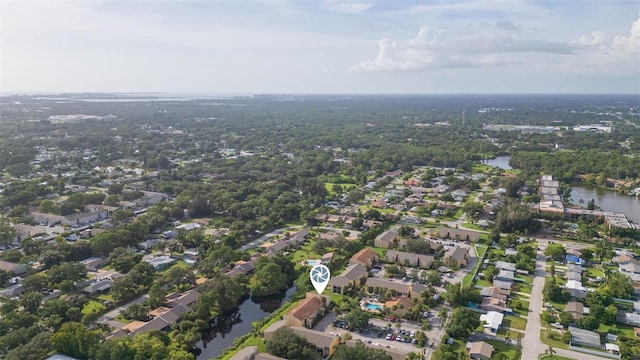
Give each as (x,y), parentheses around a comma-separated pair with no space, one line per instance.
(501,162)
(228,327)
(608,200)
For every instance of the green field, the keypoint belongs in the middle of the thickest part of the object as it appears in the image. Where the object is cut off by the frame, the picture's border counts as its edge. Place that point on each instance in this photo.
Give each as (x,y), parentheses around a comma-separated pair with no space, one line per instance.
(93,306)
(511,352)
(544,337)
(514,322)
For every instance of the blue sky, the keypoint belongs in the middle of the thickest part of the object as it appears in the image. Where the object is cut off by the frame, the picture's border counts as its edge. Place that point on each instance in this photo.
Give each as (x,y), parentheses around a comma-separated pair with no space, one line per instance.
(332,46)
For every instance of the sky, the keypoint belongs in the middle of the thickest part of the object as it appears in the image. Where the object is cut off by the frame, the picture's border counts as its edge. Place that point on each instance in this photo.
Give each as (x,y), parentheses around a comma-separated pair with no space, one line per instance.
(322,46)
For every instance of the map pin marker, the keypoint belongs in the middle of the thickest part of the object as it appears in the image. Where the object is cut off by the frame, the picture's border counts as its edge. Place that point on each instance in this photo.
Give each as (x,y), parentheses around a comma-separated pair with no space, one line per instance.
(320,276)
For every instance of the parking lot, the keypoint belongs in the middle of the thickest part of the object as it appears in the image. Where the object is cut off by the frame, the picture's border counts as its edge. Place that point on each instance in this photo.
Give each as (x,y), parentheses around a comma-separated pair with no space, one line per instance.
(379,332)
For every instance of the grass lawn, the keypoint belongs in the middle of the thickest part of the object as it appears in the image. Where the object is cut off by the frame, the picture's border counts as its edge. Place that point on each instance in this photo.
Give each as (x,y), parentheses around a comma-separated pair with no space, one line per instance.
(251,341)
(544,337)
(471,226)
(514,322)
(92,306)
(105,297)
(525,279)
(554,357)
(595,272)
(511,334)
(524,307)
(620,329)
(483,282)
(382,253)
(121,319)
(523,288)
(468,279)
(509,350)
(338,299)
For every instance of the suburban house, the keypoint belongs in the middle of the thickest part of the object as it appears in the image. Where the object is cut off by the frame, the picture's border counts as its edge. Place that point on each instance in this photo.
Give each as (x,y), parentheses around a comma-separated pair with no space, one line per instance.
(186,298)
(351,276)
(460,234)
(161,322)
(160,262)
(495,292)
(98,287)
(632,319)
(307,311)
(503,265)
(409,259)
(584,337)
(502,284)
(492,320)
(298,238)
(400,288)
(93,263)
(323,342)
(366,257)
(456,257)
(387,239)
(576,289)
(15,268)
(493,304)
(576,309)
(505,275)
(480,350)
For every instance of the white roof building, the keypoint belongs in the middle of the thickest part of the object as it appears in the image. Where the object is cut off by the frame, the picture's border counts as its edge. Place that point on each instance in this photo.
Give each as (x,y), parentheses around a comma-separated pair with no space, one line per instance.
(492,320)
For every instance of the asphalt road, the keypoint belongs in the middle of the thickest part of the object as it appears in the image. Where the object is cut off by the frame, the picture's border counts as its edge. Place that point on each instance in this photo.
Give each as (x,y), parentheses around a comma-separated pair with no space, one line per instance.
(532,347)
(531,344)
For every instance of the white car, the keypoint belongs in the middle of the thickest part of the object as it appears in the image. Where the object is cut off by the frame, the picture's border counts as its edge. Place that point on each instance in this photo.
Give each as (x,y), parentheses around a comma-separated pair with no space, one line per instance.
(557,325)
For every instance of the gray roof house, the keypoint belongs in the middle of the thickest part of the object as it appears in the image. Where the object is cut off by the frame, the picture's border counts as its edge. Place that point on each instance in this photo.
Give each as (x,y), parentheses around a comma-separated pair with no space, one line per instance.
(409,259)
(584,337)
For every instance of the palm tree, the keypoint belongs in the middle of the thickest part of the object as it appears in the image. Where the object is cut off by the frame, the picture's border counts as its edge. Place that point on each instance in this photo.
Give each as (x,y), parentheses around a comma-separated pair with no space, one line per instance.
(549,352)
(443,315)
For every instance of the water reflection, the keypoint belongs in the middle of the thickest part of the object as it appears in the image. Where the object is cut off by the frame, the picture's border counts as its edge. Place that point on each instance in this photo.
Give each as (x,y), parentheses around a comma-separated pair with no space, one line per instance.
(227,327)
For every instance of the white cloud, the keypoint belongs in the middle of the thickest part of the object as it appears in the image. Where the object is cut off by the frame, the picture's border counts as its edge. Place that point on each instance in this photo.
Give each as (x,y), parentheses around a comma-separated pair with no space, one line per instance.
(348,7)
(631,43)
(438,48)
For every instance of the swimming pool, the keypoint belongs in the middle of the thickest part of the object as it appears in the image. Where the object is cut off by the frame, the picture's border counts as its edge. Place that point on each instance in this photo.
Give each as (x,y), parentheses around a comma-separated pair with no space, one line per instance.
(370,306)
(313,262)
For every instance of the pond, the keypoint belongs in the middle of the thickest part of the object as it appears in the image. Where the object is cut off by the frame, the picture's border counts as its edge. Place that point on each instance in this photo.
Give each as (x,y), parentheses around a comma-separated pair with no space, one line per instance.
(501,162)
(228,327)
(608,200)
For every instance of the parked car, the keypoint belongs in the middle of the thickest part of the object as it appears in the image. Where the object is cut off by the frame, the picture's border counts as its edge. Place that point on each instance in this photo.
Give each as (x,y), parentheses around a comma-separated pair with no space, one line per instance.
(557,325)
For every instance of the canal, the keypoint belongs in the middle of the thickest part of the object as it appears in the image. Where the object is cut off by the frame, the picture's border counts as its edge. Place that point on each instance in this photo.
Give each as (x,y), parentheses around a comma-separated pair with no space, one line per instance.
(228,327)
(608,200)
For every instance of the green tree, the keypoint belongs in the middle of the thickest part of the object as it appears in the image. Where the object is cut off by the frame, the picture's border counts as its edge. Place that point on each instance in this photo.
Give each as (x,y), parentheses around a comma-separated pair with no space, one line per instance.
(7,232)
(123,260)
(136,312)
(556,251)
(589,322)
(74,340)
(178,275)
(289,345)
(359,352)
(358,318)
(268,279)
(463,322)
(71,271)
(31,301)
